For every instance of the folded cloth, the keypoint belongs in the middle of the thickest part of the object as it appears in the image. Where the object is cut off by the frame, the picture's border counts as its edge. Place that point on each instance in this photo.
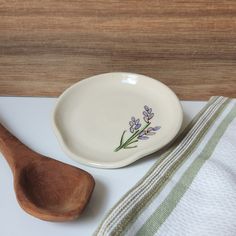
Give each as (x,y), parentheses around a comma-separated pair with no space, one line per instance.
(191,189)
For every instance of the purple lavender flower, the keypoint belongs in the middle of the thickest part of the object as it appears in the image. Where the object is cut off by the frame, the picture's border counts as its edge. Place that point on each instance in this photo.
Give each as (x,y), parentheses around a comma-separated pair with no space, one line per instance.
(156,128)
(148,132)
(152,130)
(143,137)
(134,124)
(138,133)
(147,114)
(146,108)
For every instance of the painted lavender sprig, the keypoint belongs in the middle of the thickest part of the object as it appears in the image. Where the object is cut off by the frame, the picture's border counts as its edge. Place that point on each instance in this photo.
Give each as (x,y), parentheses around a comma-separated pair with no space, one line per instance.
(137,132)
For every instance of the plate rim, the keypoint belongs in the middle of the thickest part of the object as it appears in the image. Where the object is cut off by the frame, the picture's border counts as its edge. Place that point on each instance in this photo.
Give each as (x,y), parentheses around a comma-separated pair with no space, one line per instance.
(115,164)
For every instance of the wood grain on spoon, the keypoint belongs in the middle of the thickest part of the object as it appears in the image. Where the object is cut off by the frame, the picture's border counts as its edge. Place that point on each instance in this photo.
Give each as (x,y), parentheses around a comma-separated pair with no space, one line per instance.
(45,188)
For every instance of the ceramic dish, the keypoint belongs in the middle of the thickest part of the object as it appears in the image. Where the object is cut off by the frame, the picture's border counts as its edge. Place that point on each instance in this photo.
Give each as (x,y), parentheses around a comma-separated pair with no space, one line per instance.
(111,120)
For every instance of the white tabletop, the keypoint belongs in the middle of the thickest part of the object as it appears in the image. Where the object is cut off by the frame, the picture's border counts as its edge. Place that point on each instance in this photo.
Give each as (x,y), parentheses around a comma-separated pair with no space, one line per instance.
(30,120)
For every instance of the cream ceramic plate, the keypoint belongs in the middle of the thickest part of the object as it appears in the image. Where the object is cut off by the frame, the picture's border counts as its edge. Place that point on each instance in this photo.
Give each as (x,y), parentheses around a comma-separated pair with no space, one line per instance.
(111,120)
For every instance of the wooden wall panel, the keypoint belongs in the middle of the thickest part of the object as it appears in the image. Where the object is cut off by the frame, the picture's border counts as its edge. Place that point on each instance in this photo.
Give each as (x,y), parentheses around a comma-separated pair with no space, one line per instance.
(47,45)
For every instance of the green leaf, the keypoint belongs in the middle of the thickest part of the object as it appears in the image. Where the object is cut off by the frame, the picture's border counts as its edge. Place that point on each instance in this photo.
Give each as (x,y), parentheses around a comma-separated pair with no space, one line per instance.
(122,137)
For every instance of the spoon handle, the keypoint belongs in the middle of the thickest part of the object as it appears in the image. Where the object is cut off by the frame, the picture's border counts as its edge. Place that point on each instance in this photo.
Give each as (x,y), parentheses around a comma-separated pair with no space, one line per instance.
(12,149)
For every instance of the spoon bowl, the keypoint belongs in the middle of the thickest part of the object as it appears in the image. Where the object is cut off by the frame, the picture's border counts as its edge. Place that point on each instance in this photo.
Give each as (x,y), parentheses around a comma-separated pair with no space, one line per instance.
(45,188)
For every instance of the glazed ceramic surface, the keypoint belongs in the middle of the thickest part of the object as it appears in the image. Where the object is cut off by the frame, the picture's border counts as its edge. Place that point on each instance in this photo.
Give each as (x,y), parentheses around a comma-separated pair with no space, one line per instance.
(111,120)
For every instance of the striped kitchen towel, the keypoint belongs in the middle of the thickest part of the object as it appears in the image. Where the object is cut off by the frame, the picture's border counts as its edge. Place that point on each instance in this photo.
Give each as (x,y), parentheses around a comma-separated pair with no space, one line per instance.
(191,189)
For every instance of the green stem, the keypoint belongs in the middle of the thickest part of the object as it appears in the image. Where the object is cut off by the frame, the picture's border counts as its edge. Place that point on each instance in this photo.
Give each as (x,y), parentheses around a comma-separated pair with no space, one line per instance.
(122,137)
(130,147)
(128,141)
(123,144)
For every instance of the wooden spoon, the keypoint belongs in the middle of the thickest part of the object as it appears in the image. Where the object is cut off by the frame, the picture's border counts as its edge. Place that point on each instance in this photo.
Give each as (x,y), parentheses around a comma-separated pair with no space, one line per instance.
(45,188)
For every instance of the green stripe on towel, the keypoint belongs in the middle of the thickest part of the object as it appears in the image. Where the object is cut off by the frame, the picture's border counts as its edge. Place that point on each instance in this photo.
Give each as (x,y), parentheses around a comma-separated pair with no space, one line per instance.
(164,210)
(139,197)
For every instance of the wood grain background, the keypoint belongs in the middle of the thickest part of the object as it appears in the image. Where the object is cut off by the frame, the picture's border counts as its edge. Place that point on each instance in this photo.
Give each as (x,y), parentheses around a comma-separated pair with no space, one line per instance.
(47,45)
